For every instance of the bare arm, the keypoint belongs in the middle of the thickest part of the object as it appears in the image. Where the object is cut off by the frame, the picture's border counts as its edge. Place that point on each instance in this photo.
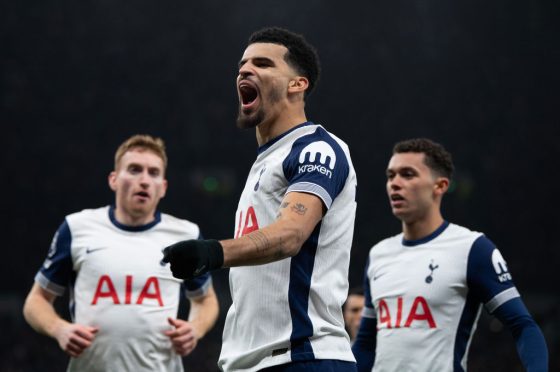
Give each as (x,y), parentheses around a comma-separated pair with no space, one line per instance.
(202,317)
(298,215)
(39,312)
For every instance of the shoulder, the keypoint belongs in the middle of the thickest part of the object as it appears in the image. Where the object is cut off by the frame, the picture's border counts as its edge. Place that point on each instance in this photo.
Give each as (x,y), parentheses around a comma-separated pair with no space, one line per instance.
(314,150)
(191,229)
(321,138)
(385,245)
(458,231)
(86,216)
(477,241)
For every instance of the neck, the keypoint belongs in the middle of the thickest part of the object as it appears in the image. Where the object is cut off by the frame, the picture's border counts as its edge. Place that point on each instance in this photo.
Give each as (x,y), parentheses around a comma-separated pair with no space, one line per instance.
(128,219)
(418,229)
(268,130)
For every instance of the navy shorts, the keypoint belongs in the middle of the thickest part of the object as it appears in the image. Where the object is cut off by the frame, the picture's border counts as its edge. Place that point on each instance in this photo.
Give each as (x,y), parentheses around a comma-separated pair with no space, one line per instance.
(322,365)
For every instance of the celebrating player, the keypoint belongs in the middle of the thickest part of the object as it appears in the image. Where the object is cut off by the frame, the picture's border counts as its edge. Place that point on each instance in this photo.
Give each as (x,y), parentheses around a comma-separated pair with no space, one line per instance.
(425,287)
(294,223)
(123,302)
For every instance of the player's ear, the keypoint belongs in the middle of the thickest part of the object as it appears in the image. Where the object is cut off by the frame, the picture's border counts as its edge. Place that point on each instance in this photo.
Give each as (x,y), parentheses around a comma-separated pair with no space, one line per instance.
(298,84)
(441,185)
(112,180)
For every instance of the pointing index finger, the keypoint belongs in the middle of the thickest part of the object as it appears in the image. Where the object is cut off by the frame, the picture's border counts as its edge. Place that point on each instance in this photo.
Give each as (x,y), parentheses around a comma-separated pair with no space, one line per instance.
(166,256)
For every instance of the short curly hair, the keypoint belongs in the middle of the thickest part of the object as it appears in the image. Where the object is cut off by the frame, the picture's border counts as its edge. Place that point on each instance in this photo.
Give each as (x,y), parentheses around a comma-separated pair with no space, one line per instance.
(437,158)
(301,55)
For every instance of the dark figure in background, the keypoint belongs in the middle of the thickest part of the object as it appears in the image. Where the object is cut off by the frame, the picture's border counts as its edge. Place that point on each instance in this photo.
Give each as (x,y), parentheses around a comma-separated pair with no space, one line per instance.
(352,311)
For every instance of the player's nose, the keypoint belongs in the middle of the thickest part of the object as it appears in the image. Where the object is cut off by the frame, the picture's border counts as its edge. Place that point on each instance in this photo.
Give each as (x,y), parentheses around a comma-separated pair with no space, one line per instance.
(246,70)
(145,179)
(394,183)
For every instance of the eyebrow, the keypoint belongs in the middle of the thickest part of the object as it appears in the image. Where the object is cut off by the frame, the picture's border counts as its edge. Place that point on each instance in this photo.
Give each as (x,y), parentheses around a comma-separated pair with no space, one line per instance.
(257,59)
(401,169)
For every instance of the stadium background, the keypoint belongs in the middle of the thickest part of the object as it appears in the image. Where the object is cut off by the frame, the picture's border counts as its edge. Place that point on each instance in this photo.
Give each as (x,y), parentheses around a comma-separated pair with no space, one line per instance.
(77,78)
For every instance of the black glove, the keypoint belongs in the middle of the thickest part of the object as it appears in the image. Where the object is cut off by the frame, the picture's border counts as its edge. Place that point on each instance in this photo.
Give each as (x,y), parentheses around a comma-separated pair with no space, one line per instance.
(192,258)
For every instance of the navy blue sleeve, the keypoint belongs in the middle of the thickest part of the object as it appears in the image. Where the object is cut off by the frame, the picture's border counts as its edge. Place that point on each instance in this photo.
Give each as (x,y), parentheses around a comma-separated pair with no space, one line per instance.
(364,345)
(528,337)
(317,164)
(367,292)
(487,275)
(489,278)
(56,272)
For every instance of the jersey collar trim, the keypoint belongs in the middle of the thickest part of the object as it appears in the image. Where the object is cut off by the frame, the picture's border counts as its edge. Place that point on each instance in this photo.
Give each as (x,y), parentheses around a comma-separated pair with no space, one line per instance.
(435,234)
(267,145)
(121,226)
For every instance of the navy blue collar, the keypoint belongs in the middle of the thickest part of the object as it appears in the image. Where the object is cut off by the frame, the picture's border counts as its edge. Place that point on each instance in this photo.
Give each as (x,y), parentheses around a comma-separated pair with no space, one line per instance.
(267,145)
(435,234)
(157,219)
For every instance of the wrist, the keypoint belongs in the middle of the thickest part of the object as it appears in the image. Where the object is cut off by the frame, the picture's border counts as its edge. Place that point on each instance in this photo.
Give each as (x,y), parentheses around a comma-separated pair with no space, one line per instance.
(55,328)
(215,254)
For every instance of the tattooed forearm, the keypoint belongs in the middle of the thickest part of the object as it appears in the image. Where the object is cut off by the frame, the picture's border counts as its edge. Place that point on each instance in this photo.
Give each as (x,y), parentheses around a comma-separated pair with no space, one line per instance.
(299,209)
(262,244)
(260,241)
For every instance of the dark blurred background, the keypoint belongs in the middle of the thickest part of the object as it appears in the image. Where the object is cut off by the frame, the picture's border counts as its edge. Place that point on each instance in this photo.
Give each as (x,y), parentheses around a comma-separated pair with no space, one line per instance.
(77,78)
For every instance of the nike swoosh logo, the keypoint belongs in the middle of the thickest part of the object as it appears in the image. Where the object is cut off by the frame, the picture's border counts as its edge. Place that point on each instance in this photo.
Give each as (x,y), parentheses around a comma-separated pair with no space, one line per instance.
(378,276)
(91,250)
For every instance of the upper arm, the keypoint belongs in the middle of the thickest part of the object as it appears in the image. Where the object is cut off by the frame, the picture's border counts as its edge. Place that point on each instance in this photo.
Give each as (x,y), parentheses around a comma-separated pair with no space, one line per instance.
(302,211)
(317,165)
(56,271)
(488,275)
(38,292)
(369,308)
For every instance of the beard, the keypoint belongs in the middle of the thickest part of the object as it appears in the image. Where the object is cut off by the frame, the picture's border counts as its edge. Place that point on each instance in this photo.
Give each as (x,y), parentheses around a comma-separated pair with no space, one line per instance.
(247,121)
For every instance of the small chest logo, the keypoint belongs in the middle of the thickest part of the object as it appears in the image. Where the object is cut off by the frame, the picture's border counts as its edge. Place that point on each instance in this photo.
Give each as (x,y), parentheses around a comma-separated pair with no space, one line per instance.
(432,267)
(91,250)
(259,180)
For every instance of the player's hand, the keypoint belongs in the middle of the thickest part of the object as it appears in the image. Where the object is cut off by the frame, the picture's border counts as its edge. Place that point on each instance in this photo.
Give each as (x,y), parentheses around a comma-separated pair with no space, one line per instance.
(75,338)
(192,258)
(184,337)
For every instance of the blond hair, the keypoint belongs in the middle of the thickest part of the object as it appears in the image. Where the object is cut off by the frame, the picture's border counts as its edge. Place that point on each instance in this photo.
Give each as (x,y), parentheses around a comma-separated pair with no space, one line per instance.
(142,142)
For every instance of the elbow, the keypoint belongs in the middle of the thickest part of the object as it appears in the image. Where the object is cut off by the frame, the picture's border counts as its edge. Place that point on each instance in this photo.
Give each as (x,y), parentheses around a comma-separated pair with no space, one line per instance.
(27,309)
(293,242)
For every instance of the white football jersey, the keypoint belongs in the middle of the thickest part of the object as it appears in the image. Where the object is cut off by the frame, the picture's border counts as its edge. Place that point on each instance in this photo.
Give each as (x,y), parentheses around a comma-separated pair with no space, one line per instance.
(290,310)
(117,283)
(427,294)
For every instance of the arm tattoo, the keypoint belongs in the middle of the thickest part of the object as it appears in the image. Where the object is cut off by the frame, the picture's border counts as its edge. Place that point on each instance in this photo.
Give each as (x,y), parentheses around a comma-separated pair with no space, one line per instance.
(299,209)
(260,241)
(284,204)
(262,244)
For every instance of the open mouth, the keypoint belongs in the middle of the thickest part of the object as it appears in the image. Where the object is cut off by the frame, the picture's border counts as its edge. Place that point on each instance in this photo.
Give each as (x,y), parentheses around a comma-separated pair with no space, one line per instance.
(248,94)
(396,197)
(142,194)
